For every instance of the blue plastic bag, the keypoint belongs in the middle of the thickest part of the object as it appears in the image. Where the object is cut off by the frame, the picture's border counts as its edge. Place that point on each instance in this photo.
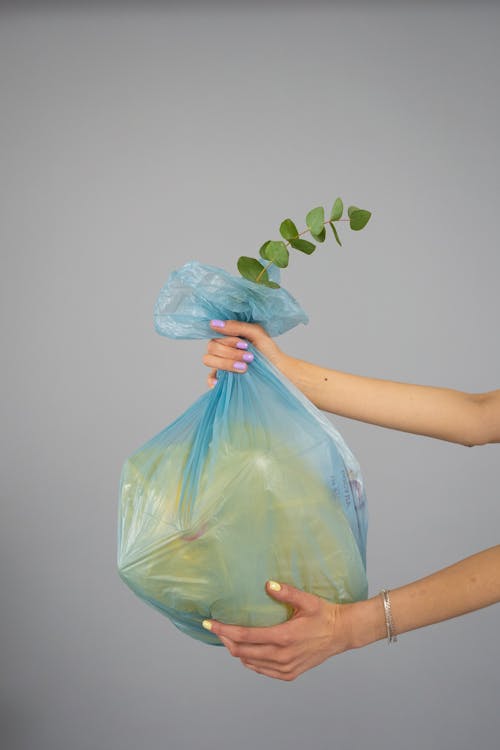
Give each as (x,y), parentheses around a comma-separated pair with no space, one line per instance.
(251,483)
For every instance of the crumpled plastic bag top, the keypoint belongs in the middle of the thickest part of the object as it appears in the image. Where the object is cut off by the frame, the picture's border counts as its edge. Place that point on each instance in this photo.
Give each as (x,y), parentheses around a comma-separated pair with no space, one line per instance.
(198,293)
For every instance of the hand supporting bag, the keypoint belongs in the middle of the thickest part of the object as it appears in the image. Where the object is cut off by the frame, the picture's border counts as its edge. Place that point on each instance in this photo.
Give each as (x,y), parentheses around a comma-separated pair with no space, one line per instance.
(251,483)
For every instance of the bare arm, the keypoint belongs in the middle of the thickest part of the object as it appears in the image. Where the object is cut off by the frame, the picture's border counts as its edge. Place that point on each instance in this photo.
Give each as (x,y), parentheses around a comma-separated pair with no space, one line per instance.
(468,585)
(459,417)
(444,413)
(319,629)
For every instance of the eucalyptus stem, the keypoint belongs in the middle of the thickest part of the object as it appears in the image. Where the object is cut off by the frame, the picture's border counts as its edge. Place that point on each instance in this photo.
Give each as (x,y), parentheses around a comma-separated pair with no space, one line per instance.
(288,243)
(264,270)
(277,252)
(308,230)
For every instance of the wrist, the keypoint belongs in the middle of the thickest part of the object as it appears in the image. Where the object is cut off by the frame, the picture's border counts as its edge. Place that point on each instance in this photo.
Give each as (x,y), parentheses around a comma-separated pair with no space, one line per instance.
(285,364)
(292,368)
(366,621)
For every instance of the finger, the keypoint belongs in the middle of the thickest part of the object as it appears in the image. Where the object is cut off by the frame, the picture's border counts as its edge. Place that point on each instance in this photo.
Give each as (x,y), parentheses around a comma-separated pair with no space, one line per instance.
(251,331)
(262,653)
(233,365)
(286,677)
(218,349)
(301,601)
(232,341)
(272,635)
(275,666)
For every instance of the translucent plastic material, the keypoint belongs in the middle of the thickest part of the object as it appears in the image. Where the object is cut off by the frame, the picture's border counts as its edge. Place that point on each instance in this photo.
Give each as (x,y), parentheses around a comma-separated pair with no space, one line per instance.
(251,483)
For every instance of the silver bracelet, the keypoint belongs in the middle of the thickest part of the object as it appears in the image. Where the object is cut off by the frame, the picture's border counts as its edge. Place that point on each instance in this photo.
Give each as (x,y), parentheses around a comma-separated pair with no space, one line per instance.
(389,623)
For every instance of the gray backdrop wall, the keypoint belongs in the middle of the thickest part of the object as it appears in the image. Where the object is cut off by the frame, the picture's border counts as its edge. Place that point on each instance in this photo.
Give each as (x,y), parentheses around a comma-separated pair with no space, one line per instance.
(136,137)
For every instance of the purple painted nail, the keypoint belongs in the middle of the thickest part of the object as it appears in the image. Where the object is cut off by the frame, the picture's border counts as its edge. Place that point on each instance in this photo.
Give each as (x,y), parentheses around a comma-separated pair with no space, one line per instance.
(248,357)
(242,345)
(240,366)
(218,323)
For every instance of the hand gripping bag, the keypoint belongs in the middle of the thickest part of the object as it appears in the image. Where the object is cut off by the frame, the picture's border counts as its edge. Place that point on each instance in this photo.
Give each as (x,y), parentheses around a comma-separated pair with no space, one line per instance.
(251,483)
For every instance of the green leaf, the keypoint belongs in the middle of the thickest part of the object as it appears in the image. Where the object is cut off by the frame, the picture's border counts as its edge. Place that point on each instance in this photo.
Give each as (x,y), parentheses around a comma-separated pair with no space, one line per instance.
(315,219)
(321,236)
(272,284)
(337,210)
(250,268)
(359,218)
(335,232)
(277,252)
(263,248)
(304,246)
(351,209)
(288,230)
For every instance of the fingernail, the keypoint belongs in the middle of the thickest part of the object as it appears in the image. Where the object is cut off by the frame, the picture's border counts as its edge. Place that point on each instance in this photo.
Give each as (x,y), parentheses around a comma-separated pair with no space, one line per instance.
(274,586)
(248,357)
(240,366)
(242,345)
(207,624)
(214,382)
(218,323)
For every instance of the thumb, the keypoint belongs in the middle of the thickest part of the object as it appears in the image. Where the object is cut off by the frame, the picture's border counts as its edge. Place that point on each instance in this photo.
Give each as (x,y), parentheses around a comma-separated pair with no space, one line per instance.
(300,600)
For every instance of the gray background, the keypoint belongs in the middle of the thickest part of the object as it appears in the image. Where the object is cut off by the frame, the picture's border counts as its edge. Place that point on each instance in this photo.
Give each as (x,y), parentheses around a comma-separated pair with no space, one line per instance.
(136,137)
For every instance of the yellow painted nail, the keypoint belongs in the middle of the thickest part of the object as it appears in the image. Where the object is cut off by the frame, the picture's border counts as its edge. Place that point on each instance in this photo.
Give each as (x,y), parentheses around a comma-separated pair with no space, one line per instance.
(207,624)
(274,586)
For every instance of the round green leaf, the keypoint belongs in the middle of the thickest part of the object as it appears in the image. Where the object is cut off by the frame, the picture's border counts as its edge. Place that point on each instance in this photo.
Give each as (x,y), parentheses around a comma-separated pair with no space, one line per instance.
(303,245)
(263,248)
(351,209)
(337,210)
(272,284)
(250,268)
(335,232)
(315,219)
(359,218)
(321,236)
(277,252)
(288,230)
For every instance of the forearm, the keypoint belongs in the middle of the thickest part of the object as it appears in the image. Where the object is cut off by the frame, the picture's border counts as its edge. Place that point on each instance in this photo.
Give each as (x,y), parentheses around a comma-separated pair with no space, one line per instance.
(441,413)
(468,585)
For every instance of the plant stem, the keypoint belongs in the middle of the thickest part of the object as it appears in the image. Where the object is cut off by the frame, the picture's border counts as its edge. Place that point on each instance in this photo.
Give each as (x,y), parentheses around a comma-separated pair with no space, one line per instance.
(263,271)
(287,243)
(308,230)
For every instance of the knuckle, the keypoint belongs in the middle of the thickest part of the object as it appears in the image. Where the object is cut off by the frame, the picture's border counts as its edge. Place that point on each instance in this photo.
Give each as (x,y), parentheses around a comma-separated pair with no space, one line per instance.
(206,360)
(315,604)
(283,657)
(220,349)
(286,639)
